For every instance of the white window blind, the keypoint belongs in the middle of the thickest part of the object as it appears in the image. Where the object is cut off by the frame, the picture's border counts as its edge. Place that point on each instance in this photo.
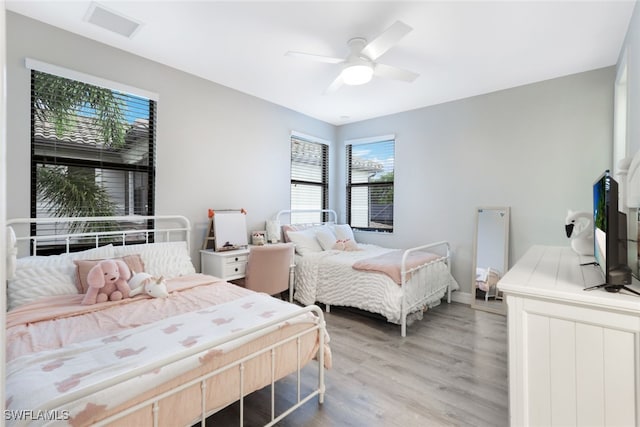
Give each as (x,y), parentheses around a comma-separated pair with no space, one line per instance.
(93,149)
(370,185)
(309,179)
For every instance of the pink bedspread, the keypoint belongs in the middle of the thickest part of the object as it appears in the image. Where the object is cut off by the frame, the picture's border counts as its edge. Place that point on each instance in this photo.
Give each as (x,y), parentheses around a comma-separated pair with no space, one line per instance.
(390,263)
(58,349)
(128,363)
(56,322)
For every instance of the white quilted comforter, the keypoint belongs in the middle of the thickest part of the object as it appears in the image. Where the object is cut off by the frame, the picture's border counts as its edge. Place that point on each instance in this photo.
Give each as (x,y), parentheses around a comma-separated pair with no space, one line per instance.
(328,277)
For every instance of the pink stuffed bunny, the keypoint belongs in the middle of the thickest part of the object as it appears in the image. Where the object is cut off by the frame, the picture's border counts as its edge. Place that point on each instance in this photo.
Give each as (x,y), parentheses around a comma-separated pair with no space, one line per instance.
(107,280)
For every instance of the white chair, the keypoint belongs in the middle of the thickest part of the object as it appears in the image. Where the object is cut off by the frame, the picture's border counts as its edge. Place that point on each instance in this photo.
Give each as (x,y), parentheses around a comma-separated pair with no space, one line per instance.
(492,283)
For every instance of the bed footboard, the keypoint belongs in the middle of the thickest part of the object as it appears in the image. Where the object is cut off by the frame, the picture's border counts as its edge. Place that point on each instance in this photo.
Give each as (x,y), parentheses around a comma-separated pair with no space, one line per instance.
(422,283)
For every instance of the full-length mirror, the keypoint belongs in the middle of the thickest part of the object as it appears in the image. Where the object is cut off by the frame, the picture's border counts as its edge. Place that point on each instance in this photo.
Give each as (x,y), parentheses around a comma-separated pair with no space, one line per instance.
(490,258)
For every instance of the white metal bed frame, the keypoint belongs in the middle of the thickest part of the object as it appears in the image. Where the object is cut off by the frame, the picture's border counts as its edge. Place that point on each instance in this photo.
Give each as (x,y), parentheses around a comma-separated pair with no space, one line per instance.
(164,230)
(413,279)
(183,228)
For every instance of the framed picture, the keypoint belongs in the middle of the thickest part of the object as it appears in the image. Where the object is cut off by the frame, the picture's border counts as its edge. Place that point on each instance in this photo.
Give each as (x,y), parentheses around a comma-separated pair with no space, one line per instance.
(258,237)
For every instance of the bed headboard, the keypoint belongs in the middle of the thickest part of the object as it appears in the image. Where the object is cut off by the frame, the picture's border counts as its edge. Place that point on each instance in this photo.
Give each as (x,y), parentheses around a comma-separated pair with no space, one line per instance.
(32,234)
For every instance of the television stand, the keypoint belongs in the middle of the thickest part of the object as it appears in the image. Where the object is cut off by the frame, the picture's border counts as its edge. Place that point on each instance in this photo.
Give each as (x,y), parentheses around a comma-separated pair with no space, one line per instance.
(618,278)
(612,288)
(589,263)
(617,288)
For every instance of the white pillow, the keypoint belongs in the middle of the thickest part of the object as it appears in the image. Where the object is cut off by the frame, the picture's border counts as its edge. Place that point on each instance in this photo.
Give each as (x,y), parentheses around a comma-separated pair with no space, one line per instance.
(32,283)
(326,238)
(166,259)
(12,252)
(305,241)
(344,232)
(43,276)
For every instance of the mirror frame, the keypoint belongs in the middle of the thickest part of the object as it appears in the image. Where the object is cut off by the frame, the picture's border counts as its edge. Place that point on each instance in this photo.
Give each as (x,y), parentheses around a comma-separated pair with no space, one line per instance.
(499,308)
(633,254)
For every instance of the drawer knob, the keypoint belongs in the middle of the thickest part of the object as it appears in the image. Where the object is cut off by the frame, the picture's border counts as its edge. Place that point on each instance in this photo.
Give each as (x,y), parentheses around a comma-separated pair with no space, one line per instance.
(236,258)
(236,268)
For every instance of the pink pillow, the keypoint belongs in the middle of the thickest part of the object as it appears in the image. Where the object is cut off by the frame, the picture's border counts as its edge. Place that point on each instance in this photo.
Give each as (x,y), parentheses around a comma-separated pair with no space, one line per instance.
(134,262)
(293,227)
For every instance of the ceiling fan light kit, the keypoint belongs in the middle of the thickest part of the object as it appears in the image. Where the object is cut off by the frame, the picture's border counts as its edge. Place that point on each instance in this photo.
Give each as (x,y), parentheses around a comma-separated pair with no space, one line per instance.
(360,66)
(357,74)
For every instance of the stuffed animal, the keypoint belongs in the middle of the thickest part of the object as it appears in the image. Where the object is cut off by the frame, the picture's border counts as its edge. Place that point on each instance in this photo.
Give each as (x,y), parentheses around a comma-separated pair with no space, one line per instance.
(144,283)
(345,245)
(579,228)
(107,281)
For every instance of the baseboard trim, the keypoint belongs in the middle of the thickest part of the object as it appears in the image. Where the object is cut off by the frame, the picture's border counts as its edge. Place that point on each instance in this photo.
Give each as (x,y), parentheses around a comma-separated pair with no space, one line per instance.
(461,297)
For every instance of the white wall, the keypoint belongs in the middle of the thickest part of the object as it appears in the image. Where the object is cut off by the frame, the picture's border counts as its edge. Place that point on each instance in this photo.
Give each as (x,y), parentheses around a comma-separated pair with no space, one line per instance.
(627,142)
(216,147)
(3,198)
(536,148)
(631,49)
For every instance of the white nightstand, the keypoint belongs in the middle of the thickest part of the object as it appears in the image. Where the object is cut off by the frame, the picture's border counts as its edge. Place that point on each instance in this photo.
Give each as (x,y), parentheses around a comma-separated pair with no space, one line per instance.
(227,265)
(231,265)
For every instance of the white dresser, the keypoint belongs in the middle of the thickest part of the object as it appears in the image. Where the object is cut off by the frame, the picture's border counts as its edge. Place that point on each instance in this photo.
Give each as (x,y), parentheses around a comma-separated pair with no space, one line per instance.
(574,355)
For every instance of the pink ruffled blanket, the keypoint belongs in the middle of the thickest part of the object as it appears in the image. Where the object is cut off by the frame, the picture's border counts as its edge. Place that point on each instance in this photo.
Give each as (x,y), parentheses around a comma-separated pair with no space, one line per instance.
(390,263)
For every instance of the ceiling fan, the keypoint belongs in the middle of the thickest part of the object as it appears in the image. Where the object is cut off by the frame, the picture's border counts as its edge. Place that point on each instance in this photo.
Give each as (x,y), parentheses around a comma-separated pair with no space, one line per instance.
(360,66)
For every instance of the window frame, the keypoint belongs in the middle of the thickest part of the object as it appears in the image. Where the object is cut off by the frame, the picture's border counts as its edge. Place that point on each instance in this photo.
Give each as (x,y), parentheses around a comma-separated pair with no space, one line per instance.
(371,185)
(40,156)
(323,185)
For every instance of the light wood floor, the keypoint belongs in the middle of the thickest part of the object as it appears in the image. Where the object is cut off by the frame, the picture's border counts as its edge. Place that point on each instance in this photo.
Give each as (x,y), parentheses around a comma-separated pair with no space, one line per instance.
(450,370)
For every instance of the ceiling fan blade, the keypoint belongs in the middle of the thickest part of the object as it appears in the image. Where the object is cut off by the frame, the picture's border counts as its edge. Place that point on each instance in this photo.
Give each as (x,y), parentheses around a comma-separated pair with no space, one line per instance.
(335,85)
(389,72)
(386,40)
(319,58)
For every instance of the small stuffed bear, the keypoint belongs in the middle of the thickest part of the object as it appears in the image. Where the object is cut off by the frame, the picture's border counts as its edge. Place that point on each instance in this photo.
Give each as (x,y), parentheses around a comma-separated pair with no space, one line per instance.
(345,245)
(107,281)
(144,283)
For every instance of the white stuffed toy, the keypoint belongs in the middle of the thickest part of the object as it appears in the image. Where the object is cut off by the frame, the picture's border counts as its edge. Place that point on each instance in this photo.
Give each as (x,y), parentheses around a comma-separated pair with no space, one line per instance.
(579,228)
(145,283)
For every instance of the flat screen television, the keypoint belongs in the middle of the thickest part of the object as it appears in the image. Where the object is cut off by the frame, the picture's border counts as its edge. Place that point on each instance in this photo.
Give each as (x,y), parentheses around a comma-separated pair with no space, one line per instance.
(610,234)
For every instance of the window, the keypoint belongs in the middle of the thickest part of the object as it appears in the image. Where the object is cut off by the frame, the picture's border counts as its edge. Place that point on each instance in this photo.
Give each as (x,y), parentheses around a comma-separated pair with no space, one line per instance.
(92,149)
(370,170)
(309,179)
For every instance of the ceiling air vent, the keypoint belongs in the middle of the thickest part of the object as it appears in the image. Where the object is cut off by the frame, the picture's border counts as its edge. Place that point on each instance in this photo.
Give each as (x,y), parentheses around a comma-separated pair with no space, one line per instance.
(112,21)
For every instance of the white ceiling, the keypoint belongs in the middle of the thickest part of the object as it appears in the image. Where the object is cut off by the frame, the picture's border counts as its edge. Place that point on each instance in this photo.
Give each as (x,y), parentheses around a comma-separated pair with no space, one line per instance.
(460,49)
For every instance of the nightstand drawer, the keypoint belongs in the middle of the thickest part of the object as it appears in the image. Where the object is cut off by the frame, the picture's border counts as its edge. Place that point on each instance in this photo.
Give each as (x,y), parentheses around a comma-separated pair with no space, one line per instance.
(235,269)
(234,259)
